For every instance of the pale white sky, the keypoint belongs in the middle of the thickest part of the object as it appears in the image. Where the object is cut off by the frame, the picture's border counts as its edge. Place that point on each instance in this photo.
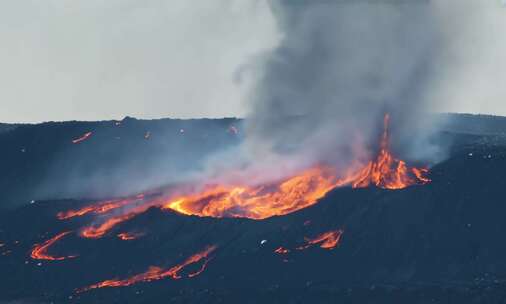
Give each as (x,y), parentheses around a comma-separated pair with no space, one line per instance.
(95,59)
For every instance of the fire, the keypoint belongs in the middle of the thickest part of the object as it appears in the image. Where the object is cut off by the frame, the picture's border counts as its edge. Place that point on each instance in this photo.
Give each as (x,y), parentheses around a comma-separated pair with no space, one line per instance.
(263,201)
(102,207)
(82,138)
(260,202)
(39,251)
(388,172)
(157,273)
(328,240)
(95,232)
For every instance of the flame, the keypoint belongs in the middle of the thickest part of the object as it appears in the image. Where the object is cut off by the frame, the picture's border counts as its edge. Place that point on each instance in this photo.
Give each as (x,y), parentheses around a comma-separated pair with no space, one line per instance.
(95,232)
(82,138)
(39,251)
(328,240)
(99,208)
(386,171)
(260,202)
(156,273)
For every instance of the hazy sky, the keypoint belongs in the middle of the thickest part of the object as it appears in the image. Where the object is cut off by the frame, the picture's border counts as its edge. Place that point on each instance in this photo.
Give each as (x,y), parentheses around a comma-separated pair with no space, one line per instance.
(95,59)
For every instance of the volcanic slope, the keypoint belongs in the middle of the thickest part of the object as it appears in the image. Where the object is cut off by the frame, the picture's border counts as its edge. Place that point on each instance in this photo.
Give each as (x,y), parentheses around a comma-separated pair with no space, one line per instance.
(435,243)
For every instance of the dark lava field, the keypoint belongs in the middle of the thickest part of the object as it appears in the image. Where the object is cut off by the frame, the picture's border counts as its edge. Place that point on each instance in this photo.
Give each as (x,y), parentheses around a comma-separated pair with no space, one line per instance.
(443,242)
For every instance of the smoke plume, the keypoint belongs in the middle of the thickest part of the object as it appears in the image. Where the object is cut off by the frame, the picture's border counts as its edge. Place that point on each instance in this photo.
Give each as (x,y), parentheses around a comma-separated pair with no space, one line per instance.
(339,68)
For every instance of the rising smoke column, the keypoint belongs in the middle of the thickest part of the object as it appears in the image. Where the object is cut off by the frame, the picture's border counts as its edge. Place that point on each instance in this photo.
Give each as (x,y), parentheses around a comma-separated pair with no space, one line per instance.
(340,66)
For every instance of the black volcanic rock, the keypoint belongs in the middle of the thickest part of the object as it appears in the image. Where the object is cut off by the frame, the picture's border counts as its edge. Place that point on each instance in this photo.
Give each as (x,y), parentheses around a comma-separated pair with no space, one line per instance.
(40,162)
(437,243)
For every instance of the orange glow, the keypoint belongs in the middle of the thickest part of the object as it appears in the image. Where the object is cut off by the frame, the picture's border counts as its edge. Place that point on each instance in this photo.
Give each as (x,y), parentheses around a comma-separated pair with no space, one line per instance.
(39,251)
(99,208)
(128,236)
(274,199)
(282,250)
(157,273)
(260,202)
(328,240)
(82,138)
(95,232)
(299,191)
(388,172)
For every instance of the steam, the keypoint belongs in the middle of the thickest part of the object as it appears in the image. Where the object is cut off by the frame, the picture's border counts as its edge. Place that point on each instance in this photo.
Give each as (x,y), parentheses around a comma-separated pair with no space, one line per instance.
(341,65)
(321,92)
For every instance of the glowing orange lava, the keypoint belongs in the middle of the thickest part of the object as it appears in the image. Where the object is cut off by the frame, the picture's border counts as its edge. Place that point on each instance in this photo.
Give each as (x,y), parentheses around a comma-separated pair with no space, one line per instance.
(157,273)
(388,172)
(39,251)
(82,138)
(328,240)
(102,207)
(275,199)
(98,231)
(260,202)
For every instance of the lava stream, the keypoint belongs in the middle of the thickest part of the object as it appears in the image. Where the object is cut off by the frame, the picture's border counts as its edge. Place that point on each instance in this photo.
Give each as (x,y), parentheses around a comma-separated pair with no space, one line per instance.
(39,251)
(328,240)
(98,231)
(157,273)
(275,199)
(259,202)
(102,207)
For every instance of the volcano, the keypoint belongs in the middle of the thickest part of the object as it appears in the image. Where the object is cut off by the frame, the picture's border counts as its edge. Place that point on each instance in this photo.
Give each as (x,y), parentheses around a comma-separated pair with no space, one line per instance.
(382,232)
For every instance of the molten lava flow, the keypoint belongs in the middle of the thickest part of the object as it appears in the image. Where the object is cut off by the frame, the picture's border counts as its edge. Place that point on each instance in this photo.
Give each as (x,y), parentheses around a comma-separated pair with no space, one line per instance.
(82,138)
(99,208)
(260,202)
(157,273)
(299,191)
(282,250)
(39,251)
(388,172)
(95,232)
(128,236)
(274,199)
(328,240)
